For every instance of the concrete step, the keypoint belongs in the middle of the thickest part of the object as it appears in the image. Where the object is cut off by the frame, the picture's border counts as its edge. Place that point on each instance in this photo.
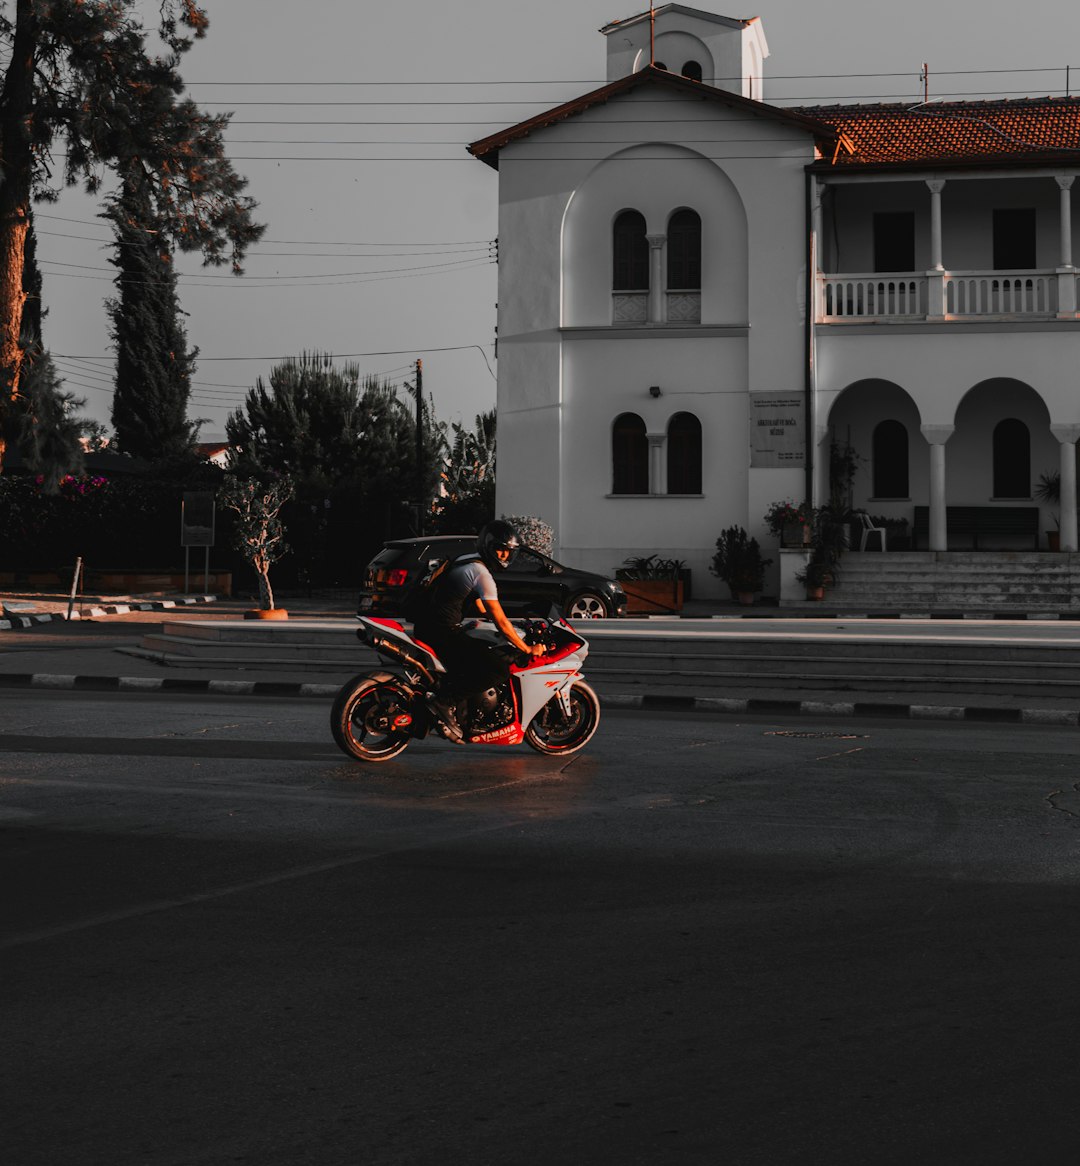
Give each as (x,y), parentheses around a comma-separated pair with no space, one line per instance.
(714,661)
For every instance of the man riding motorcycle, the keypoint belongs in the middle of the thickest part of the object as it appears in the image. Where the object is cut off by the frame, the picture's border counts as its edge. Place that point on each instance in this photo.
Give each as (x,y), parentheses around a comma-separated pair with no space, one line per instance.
(466,588)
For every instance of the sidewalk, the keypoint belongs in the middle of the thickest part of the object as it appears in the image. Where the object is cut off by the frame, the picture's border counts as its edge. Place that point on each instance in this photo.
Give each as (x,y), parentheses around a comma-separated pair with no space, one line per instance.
(89,654)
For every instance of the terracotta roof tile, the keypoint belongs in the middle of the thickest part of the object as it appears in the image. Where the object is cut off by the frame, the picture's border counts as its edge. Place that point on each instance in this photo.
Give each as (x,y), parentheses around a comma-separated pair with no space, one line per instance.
(959,131)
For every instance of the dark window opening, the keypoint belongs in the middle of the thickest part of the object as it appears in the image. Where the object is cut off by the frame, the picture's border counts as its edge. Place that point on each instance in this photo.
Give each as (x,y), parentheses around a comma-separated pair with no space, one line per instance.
(894,241)
(629,455)
(659,65)
(692,70)
(1014,239)
(890,460)
(684,454)
(1012,459)
(630,253)
(684,251)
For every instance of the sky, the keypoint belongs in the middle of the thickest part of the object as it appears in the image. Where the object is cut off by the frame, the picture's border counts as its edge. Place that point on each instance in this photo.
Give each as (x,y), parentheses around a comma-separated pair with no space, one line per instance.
(350,122)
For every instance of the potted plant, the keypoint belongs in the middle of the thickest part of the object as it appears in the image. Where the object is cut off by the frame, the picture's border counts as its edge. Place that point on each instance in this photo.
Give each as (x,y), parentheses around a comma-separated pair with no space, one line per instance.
(652,584)
(738,561)
(1048,489)
(259,535)
(817,576)
(790,522)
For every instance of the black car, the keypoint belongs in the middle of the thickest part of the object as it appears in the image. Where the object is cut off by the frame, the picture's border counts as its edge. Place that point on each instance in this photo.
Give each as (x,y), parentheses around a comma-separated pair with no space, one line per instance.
(529,586)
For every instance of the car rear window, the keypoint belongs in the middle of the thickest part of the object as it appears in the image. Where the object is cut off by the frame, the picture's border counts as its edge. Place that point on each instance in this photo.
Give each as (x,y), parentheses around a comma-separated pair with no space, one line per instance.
(387,556)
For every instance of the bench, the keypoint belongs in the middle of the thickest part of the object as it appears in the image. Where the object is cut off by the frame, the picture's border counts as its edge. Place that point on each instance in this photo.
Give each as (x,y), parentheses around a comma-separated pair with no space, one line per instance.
(980,527)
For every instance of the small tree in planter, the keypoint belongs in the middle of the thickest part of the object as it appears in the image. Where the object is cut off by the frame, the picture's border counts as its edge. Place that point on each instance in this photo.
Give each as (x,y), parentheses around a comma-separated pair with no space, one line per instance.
(1048,489)
(259,535)
(739,563)
(652,584)
(817,576)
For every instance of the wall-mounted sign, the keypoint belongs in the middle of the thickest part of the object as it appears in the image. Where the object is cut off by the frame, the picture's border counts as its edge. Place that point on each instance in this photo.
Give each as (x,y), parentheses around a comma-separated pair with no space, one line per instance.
(777,430)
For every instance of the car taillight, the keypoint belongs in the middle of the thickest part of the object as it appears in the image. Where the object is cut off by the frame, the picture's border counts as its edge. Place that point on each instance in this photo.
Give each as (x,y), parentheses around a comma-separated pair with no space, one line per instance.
(397,577)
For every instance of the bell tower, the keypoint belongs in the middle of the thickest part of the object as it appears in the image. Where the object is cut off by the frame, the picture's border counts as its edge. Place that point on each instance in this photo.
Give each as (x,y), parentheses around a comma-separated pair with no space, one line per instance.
(718,50)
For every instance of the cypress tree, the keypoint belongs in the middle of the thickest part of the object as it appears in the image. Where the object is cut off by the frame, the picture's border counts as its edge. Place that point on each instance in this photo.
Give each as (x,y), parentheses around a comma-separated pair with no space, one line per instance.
(153,364)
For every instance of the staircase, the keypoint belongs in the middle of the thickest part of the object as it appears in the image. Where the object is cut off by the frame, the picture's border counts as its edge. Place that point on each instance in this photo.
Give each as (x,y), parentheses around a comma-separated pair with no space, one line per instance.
(1015,582)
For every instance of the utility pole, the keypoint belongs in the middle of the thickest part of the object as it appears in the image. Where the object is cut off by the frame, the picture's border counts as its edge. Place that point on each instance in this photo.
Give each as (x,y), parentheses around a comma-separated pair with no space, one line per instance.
(420,447)
(652,33)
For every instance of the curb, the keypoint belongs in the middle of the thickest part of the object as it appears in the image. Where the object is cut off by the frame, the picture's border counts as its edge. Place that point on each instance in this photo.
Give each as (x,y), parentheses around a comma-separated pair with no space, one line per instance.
(793,613)
(13,620)
(655,702)
(915,712)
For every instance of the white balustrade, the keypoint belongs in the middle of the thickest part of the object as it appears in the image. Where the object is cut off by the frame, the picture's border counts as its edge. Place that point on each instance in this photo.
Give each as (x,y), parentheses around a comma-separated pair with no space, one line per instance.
(845,297)
(967,294)
(983,293)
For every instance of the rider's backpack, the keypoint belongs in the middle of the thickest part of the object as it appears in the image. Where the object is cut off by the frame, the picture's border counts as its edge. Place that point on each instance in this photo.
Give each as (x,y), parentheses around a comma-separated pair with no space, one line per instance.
(418,601)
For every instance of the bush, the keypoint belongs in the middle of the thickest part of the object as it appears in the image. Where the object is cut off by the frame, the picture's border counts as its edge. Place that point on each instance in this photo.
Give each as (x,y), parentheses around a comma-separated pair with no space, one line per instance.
(738,561)
(533,532)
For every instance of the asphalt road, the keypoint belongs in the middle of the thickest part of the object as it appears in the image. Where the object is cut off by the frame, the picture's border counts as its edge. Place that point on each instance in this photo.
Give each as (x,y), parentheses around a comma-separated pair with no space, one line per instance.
(703,940)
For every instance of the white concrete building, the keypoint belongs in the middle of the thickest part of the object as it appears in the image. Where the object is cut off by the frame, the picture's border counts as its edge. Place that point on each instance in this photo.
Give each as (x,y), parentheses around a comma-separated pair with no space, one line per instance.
(699,292)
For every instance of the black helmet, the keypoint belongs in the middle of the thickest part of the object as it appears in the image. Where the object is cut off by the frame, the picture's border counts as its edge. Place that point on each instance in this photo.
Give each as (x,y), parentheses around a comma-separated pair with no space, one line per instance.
(497,536)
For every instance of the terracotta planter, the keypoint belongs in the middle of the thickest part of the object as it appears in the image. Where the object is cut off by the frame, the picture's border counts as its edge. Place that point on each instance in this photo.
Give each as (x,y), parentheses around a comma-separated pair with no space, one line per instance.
(817,593)
(746,598)
(795,534)
(266,613)
(1053,540)
(652,595)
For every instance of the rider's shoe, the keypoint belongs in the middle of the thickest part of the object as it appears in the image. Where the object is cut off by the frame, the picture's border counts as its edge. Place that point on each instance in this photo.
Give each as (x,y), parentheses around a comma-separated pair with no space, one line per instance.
(445,712)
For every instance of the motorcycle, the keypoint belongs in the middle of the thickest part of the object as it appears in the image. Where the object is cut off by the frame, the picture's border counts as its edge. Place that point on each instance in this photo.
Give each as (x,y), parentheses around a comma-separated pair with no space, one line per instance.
(545,703)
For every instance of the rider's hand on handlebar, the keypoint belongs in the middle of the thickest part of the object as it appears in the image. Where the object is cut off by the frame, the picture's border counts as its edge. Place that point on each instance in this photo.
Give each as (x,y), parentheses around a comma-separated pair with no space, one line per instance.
(536,649)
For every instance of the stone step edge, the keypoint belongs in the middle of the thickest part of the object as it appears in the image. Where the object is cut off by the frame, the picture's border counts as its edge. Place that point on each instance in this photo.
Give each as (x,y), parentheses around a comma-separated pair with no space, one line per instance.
(14,620)
(654,702)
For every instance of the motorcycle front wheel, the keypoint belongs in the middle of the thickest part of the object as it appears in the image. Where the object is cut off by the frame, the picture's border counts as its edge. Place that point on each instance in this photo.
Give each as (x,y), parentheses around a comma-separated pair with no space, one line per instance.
(362,719)
(552,732)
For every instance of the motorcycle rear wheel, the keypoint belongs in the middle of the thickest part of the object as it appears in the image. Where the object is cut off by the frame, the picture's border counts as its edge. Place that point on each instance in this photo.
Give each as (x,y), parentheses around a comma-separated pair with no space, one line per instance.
(361,719)
(552,732)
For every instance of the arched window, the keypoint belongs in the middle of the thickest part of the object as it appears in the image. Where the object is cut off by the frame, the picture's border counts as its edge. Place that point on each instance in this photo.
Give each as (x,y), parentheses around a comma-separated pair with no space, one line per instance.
(692,70)
(684,251)
(684,454)
(1012,459)
(630,253)
(890,460)
(629,455)
(659,65)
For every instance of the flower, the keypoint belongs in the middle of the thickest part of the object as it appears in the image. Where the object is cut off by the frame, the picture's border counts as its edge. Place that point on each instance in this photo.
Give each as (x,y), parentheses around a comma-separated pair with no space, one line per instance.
(786,513)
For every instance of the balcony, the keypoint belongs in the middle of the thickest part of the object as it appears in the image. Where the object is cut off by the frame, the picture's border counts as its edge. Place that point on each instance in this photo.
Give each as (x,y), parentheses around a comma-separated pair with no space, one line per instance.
(957,295)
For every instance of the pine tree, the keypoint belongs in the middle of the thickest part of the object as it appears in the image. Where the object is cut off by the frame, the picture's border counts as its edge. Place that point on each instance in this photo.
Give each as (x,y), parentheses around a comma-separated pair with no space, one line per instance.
(315,422)
(153,364)
(80,76)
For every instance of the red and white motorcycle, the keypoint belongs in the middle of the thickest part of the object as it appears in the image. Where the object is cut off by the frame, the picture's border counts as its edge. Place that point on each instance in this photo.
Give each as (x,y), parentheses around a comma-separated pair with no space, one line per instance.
(546,702)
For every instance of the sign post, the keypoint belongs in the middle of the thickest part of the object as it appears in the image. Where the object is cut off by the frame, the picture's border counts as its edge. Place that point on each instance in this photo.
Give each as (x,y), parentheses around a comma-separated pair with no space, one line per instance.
(197,515)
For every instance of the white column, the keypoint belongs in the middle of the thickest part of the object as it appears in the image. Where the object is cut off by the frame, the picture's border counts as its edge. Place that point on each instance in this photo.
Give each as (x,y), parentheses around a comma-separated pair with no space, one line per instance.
(936,274)
(936,436)
(1067,435)
(657,463)
(936,185)
(817,244)
(1066,273)
(657,290)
